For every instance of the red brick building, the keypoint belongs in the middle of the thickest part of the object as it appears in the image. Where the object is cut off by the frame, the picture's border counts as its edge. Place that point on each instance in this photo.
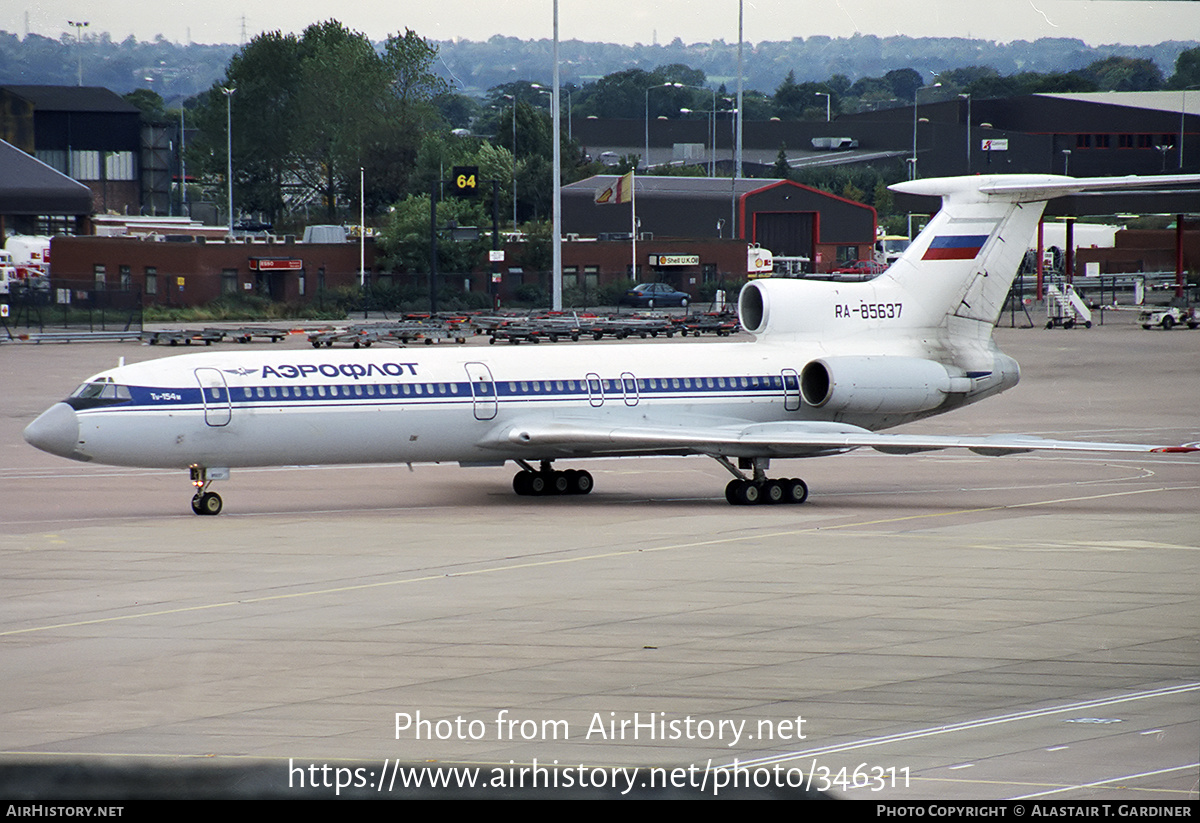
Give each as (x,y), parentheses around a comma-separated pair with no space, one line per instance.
(187,271)
(190,272)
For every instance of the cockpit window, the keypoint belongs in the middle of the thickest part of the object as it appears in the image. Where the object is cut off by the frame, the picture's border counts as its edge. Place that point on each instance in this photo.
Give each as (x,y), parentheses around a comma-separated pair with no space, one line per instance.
(94,389)
(101,392)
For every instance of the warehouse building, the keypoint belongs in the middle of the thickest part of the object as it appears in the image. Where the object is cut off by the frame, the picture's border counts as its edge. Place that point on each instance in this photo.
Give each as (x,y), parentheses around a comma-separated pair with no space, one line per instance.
(789,219)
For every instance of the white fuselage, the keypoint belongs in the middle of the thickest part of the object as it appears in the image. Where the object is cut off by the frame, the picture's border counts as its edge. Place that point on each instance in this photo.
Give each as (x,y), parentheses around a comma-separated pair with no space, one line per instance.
(422,405)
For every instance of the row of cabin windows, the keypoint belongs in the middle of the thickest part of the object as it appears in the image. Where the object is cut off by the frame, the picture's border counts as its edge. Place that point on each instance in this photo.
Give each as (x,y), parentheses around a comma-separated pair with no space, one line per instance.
(514,387)
(652,383)
(368,390)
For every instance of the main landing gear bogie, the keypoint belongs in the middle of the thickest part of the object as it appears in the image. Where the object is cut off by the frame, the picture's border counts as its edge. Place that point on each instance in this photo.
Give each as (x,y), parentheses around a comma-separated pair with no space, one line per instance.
(758,488)
(547,481)
(752,492)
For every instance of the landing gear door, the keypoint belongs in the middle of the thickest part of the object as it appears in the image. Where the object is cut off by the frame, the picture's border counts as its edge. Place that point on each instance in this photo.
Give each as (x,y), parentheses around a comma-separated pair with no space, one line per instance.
(218,406)
(483,390)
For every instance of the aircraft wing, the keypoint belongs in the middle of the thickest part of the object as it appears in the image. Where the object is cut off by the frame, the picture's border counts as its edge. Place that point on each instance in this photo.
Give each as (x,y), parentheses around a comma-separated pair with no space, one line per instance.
(566,438)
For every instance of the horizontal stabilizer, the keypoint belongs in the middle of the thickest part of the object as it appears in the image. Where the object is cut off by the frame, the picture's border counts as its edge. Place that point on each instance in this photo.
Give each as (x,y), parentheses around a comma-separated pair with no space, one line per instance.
(1029,188)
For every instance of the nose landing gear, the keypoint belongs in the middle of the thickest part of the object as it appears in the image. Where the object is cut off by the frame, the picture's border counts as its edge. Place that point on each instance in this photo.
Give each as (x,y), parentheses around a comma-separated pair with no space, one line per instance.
(204,501)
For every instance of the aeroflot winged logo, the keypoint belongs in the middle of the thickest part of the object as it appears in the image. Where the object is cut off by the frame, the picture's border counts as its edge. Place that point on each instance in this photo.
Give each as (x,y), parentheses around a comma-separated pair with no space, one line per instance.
(955,247)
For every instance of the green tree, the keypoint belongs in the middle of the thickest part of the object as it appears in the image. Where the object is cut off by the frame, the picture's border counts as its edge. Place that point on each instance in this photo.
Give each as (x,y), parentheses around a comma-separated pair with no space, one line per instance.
(533,132)
(459,110)
(440,152)
(345,86)
(1124,74)
(151,104)
(782,169)
(309,112)
(904,82)
(884,200)
(407,111)
(623,94)
(1187,70)
(403,243)
(795,101)
(755,105)
(789,98)
(265,77)
(1013,85)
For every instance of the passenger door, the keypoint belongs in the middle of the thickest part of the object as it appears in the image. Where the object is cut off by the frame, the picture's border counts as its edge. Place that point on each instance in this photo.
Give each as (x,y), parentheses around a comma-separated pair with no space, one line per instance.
(214,393)
(483,390)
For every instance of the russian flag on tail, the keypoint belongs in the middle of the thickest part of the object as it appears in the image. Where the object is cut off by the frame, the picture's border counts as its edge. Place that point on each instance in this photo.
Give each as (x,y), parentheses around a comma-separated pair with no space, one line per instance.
(955,247)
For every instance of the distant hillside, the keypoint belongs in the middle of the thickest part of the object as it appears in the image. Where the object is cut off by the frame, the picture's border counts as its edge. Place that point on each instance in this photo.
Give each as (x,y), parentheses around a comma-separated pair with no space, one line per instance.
(173,70)
(481,65)
(176,71)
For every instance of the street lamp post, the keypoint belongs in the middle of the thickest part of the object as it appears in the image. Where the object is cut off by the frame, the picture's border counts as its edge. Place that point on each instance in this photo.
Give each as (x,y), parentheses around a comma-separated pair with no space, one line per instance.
(556,207)
(1182,113)
(737,140)
(968,96)
(513,98)
(712,159)
(712,126)
(733,114)
(912,168)
(828,104)
(183,211)
(229,150)
(646,159)
(79,25)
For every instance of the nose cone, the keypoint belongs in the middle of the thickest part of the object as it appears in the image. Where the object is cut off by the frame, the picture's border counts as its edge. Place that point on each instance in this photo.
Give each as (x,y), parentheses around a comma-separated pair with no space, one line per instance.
(56,431)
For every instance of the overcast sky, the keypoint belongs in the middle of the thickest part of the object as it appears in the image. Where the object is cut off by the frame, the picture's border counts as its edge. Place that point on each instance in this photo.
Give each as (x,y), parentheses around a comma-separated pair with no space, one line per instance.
(1096,22)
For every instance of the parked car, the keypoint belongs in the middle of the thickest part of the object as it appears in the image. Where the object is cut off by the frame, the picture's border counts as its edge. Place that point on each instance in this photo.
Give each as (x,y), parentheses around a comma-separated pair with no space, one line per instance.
(654,296)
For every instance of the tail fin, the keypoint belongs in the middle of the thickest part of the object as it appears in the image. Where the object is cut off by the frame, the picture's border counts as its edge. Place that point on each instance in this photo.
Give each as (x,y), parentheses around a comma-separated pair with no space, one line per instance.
(963,263)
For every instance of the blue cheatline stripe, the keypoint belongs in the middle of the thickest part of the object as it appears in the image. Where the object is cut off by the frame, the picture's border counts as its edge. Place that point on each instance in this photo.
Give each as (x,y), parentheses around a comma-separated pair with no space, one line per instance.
(394,393)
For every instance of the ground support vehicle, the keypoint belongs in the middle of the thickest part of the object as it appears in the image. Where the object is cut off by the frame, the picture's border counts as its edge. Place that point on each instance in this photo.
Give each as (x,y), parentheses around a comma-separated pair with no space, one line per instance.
(1168,317)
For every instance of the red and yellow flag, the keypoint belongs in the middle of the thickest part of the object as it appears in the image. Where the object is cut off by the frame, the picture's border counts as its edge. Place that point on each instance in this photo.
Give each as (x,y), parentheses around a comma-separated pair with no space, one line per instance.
(621,191)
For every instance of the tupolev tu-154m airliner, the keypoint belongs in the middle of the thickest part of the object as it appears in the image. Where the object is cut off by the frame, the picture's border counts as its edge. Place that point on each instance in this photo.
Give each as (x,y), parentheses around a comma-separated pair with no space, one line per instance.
(831,365)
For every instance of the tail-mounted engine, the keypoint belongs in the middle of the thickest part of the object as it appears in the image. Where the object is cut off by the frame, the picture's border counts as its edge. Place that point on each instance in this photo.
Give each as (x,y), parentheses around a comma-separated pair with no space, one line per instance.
(780,305)
(878,385)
